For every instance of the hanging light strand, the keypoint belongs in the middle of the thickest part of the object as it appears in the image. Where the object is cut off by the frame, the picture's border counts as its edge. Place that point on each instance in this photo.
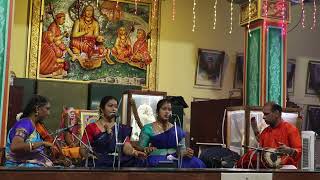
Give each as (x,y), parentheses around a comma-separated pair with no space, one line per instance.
(283,11)
(314,15)
(135,6)
(231,16)
(265,14)
(173,10)
(303,14)
(194,15)
(154,11)
(117,4)
(249,14)
(215,14)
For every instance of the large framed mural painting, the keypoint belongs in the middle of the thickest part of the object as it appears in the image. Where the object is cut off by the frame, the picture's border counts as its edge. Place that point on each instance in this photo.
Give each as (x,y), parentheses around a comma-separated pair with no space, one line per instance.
(110,41)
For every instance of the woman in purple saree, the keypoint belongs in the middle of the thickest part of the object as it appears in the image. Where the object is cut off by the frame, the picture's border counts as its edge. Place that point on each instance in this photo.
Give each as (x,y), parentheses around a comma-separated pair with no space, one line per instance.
(25,147)
(158,139)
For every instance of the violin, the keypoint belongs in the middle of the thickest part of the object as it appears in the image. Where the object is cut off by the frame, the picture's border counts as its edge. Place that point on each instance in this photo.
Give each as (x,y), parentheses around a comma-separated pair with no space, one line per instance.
(56,151)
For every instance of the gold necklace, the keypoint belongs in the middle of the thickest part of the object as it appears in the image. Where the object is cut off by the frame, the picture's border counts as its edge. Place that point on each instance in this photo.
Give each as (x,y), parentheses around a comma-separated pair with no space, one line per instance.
(161,128)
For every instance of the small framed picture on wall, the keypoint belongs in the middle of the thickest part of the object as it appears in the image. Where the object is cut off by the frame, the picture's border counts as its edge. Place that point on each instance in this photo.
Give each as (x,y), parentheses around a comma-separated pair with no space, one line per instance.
(238,72)
(313,78)
(291,68)
(313,118)
(209,69)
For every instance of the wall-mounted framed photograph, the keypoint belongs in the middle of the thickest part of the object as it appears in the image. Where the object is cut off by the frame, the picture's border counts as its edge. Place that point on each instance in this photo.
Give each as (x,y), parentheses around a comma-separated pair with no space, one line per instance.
(313,118)
(209,69)
(238,72)
(291,68)
(313,78)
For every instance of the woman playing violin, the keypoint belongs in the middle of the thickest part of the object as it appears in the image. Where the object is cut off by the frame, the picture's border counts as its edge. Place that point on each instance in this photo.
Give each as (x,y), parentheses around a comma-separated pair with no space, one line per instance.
(25,147)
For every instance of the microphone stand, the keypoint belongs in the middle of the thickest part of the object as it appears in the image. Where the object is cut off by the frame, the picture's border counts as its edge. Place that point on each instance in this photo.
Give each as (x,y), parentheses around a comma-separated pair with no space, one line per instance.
(177,141)
(118,147)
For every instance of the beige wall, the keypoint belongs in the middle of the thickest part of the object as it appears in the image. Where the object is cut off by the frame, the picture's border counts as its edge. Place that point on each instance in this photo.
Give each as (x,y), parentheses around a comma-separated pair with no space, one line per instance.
(178,46)
(19,38)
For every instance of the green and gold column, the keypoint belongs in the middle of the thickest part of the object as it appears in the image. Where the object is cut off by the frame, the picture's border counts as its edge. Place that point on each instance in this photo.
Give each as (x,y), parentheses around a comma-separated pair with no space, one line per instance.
(265,51)
(5,27)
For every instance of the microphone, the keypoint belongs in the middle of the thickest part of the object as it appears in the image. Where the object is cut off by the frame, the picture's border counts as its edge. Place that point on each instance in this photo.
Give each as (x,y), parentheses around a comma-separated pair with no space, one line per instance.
(58,131)
(172,115)
(114,114)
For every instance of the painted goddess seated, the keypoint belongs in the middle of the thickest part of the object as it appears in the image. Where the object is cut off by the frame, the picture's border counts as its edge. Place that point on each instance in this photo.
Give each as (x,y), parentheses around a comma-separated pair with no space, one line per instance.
(122,49)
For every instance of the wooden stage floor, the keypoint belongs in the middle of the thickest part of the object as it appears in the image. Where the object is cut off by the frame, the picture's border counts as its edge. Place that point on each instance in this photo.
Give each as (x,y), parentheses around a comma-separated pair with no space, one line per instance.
(154,174)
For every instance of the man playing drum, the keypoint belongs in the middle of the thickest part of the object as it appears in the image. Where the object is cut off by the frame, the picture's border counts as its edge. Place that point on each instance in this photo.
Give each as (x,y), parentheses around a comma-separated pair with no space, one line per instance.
(281,137)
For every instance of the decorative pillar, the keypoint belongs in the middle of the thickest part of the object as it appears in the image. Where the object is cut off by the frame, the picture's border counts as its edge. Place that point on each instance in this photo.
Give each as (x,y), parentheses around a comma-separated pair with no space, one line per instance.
(5,29)
(265,51)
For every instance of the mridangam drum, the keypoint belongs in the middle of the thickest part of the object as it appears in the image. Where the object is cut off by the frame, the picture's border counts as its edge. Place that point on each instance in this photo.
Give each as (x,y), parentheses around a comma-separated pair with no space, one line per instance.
(271,159)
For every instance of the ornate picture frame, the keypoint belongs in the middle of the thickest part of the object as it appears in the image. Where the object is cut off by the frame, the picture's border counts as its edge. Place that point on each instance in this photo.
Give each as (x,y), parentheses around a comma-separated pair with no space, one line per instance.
(209,72)
(87,117)
(111,41)
(313,80)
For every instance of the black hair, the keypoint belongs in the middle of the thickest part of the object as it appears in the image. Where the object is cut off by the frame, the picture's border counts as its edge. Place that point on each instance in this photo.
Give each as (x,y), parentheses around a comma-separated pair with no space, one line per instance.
(35,102)
(105,100)
(161,103)
(276,107)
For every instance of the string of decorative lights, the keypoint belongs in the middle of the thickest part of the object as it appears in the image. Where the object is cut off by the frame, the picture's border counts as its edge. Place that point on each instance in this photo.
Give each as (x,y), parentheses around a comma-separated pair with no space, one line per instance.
(303,14)
(173,10)
(231,14)
(135,6)
(283,17)
(215,14)
(314,15)
(265,15)
(194,15)
(249,13)
(117,4)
